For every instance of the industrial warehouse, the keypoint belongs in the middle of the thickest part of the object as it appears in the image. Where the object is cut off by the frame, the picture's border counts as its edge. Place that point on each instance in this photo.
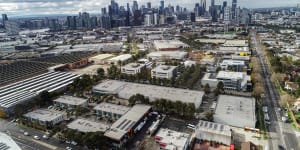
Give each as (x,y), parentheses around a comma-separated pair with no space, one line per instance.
(126,89)
(26,90)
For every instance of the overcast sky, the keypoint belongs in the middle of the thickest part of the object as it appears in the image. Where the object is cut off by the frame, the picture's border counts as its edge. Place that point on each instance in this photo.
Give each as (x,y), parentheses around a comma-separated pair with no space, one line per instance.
(39,7)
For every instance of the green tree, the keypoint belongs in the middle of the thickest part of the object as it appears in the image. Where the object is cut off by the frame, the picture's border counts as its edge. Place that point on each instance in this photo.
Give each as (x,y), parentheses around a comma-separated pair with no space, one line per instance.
(220,88)
(207,88)
(100,73)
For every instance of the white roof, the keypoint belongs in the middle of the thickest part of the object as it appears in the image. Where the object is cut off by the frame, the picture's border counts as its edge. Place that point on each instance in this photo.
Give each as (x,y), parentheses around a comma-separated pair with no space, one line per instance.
(76,101)
(101,57)
(123,57)
(7,143)
(230,75)
(235,111)
(165,44)
(172,138)
(113,108)
(167,54)
(126,90)
(44,115)
(216,128)
(127,121)
(236,43)
(84,125)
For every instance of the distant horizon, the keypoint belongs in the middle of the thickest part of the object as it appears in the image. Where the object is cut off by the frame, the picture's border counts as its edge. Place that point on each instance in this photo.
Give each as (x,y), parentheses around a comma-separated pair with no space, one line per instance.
(23,8)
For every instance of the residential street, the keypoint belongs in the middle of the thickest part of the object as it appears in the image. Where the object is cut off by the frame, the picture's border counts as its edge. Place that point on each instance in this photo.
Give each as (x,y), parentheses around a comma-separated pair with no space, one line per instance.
(280,133)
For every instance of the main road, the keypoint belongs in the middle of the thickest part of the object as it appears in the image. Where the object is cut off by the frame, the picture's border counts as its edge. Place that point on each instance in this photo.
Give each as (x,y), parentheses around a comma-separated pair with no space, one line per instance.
(279,133)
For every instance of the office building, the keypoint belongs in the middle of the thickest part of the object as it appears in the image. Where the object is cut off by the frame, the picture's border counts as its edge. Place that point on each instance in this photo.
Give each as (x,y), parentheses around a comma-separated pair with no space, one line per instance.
(45,117)
(227,15)
(12,27)
(235,111)
(71,22)
(148,20)
(193,17)
(155,19)
(233,65)
(162,7)
(234,80)
(213,132)
(133,68)
(126,89)
(170,139)
(234,7)
(135,6)
(164,71)
(4,18)
(105,21)
(110,111)
(70,102)
(203,5)
(127,126)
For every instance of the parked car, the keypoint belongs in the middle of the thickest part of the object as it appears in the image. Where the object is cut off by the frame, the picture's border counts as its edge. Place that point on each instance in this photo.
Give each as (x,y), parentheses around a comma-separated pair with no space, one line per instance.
(74,143)
(36,137)
(45,137)
(26,133)
(68,148)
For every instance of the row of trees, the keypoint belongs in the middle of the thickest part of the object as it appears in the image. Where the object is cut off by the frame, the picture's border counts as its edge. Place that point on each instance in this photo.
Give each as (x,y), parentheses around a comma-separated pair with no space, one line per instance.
(177,108)
(257,80)
(187,78)
(93,140)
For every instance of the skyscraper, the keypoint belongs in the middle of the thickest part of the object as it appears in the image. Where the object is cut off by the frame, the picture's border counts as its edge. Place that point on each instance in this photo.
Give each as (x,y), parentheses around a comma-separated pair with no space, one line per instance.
(234,6)
(4,18)
(149,5)
(203,5)
(71,22)
(162,7)
(148,19)
(224,5)
(193,17)
(135,6)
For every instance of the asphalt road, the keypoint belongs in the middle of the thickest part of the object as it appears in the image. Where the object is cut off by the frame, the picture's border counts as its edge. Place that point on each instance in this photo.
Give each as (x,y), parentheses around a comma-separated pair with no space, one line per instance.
(28,142)
(279,133)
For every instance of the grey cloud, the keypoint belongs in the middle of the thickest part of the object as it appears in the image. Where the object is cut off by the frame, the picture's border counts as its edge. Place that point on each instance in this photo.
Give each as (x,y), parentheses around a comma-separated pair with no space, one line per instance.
(32,7)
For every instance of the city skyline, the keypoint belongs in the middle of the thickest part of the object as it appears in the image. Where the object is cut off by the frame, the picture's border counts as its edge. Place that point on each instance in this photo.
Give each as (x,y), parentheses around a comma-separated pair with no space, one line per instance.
(17,8)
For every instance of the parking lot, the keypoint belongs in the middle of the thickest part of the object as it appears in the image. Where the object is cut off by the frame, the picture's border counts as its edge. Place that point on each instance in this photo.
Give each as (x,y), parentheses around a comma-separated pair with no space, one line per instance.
(176,125)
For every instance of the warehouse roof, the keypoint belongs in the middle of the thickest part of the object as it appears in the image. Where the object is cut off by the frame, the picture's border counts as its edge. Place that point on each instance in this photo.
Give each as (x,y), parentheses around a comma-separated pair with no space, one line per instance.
(216,128)
(167,54)
(113,108)
(215,41)
(164,68)
(238,43)
(123,57)
(101,57)
(24,90)
(235,111)
(166,44)
(84,125)
(127,121)
(127,89)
